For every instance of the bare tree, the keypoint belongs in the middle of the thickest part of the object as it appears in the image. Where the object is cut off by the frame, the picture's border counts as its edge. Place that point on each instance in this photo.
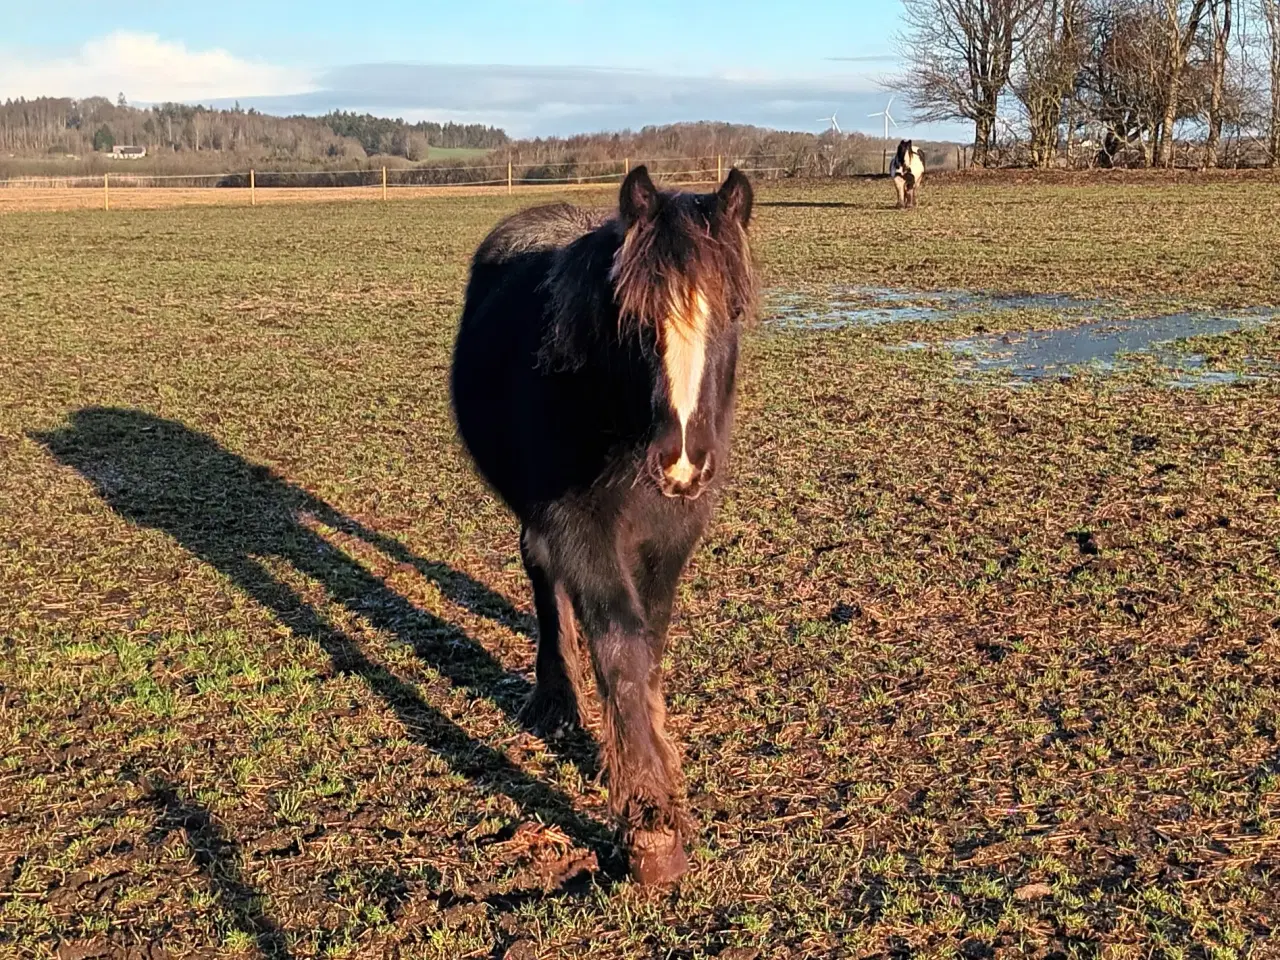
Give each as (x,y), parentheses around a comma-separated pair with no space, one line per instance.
(1218,40)
(959,55)
(1119,86)
(1269,12)
(1180,22)
(1050,63)
(1139,77)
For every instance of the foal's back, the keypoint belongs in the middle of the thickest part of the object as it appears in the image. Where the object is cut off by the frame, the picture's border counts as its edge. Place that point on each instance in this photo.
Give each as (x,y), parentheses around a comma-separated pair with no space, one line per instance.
(533,231)
(530,428)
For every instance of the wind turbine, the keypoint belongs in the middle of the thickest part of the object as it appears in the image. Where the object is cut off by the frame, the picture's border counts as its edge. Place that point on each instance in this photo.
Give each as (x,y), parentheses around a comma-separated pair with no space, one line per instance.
(888,117)
(831,120)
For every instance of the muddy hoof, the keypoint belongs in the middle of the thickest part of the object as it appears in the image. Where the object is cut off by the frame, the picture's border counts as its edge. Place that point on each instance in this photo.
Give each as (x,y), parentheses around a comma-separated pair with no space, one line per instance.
(657,859)
(550,714)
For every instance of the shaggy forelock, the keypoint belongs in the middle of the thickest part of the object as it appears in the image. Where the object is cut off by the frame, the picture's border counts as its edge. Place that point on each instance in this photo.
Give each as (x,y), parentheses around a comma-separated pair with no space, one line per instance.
(608,280)
(683,251)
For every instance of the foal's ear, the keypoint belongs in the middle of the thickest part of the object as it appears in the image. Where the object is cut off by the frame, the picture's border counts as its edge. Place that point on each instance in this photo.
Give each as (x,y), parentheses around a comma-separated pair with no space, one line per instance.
(734,197)
(639,197)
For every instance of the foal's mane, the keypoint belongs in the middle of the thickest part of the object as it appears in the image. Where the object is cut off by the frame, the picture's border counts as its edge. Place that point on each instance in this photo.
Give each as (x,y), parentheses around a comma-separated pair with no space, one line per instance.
(616,281)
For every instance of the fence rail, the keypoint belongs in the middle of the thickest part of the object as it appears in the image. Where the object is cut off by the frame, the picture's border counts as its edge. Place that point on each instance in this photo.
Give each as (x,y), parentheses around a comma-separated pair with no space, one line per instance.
(509,174)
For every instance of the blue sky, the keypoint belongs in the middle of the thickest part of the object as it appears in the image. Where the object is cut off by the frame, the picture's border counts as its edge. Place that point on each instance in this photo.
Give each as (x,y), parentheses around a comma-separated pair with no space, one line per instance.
(548,67)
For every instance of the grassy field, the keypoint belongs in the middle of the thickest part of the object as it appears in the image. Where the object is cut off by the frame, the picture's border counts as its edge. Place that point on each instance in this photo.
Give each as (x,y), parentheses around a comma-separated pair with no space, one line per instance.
(959,671)
(458,153)
(43,200)
(212,163)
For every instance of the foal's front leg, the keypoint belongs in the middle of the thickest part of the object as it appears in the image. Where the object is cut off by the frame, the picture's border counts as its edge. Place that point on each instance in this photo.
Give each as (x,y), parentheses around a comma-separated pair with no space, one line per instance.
(646,791)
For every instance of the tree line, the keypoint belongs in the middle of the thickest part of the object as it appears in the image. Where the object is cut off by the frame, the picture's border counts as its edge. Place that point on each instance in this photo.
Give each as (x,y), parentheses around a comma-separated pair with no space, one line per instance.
(411,140)
(679,151)
(345,149)
(1109,82)
(779,152)
(59,126)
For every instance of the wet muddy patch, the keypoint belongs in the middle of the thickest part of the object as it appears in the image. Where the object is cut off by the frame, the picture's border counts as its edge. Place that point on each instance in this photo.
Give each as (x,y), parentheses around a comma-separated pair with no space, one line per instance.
(1113,346)
(841,307)
(1078,335)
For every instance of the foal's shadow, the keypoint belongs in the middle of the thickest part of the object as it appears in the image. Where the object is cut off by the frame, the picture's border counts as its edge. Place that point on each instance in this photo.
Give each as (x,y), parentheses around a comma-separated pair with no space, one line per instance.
(231,514)
(219,858)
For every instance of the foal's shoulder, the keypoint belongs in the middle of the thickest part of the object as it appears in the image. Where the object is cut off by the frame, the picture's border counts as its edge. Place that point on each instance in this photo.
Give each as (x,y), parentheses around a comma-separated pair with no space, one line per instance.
(548,227)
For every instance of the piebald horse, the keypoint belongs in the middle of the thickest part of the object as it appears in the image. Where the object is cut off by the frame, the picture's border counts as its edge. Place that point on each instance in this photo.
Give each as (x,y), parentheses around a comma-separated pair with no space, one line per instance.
(907,170)
(593,385)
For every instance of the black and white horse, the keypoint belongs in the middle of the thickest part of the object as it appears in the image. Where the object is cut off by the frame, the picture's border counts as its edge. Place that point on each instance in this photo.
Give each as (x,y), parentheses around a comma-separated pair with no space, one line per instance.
(907,170)
(593,384)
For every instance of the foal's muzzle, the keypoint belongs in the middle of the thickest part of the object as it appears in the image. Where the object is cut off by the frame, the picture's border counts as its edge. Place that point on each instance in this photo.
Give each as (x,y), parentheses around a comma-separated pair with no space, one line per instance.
(685,481)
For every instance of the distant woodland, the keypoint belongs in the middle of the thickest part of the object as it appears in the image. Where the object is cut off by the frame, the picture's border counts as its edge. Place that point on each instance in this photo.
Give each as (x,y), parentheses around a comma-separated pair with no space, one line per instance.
(186,138)
(51,136)
(54,136)
(782,153)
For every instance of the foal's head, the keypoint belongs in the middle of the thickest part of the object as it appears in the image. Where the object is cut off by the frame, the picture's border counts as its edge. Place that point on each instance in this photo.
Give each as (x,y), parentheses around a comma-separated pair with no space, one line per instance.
(684,270)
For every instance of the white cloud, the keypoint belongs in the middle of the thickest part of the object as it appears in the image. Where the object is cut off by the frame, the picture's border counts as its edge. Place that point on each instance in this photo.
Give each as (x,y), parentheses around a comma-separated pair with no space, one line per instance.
(148,69)
(525,100)
(538,100)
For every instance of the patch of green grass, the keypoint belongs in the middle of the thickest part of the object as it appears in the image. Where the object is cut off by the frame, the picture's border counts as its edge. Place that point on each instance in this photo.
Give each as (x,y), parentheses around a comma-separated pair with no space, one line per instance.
(457,153)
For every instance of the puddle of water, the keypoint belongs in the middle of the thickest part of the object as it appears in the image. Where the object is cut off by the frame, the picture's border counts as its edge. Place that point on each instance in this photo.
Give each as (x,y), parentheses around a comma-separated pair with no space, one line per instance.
(1192,372)
(874,306)
(1097,342)
(1098,345)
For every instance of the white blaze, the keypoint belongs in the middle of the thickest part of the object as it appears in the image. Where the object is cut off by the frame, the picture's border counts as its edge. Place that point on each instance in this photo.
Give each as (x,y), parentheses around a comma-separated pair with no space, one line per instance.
(684,354)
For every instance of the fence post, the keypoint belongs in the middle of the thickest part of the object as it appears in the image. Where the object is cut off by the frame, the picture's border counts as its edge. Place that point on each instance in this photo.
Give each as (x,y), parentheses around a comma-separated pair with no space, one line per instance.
(626,166)
(719,168)
(384,183)
(253,197)
(106,193)
(884,161)
(508,177)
